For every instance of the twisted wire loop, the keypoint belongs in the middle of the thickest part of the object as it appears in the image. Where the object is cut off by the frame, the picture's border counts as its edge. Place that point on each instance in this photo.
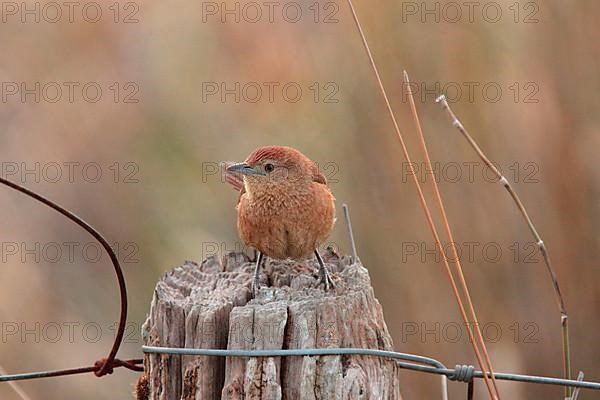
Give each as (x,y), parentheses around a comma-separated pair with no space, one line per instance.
(462,373)
(128,364)
(106,365)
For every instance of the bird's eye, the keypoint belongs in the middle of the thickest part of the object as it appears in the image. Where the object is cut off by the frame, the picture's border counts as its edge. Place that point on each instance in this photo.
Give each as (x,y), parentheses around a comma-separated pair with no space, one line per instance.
(269,167)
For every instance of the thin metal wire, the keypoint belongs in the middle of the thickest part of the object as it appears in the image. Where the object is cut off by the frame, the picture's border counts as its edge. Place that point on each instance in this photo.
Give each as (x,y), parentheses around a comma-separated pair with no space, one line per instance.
(129,364)
(294,352)
(309,352)
(109,361)
(434,367)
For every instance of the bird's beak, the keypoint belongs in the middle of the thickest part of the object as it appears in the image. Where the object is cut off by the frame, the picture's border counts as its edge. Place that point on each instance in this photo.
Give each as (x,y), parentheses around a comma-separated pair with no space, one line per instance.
(244,168)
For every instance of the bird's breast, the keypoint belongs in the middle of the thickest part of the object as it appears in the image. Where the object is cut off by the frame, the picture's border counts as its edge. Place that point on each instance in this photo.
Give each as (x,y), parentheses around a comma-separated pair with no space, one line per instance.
(288,224)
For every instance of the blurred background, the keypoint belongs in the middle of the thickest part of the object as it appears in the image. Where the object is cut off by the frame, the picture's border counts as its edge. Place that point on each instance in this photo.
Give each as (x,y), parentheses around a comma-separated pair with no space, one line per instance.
(122,111)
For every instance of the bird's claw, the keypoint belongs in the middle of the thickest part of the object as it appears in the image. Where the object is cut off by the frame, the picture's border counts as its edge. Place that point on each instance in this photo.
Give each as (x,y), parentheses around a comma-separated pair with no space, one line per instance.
(326,281)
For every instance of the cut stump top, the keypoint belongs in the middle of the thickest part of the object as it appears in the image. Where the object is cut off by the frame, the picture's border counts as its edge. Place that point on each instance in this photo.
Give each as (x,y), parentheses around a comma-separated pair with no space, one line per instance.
(210,306)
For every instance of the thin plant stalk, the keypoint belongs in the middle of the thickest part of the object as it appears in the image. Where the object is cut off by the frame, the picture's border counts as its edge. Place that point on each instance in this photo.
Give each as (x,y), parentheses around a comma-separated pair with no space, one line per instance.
(449,235)
(564,318)
(350,232)
(575,394)
(424,205)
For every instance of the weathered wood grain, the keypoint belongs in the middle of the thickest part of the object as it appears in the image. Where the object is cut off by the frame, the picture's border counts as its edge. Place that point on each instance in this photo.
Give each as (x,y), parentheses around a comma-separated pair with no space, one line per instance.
(210,306)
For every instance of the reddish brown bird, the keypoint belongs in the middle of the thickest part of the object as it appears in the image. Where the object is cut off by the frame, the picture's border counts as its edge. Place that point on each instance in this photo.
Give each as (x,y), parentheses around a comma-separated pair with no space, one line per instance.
(285,209)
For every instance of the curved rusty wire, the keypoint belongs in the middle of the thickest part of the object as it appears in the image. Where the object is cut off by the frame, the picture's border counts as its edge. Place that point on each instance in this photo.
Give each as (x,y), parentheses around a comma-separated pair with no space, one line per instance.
(108,363)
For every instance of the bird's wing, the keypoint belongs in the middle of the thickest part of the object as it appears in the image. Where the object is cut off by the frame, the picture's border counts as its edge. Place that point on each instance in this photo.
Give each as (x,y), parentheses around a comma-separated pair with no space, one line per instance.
(235,179)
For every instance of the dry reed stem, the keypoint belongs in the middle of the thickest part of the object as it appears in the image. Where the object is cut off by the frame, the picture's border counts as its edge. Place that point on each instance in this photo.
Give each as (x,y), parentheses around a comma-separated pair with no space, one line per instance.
(540,243)
(449,235)
(350,232)
(575,394)
(424,204)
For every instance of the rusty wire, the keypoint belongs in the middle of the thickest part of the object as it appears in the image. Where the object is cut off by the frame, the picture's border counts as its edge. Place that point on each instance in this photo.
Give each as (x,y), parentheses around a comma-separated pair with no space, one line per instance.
(103,366)
(129,364)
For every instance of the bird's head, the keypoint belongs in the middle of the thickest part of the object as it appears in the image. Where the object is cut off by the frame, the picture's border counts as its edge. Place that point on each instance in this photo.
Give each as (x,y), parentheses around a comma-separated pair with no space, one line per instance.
(272,167)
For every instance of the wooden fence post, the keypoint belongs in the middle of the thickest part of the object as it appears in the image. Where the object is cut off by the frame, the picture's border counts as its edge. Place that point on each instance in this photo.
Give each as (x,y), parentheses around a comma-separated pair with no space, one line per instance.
(209,306)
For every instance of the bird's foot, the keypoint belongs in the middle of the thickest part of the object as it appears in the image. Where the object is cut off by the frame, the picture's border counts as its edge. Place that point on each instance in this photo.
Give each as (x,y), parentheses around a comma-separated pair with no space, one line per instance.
(325,280)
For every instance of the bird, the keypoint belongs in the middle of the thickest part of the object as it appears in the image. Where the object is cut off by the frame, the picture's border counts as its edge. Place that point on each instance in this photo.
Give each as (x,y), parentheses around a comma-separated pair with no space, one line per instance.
(285,208)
